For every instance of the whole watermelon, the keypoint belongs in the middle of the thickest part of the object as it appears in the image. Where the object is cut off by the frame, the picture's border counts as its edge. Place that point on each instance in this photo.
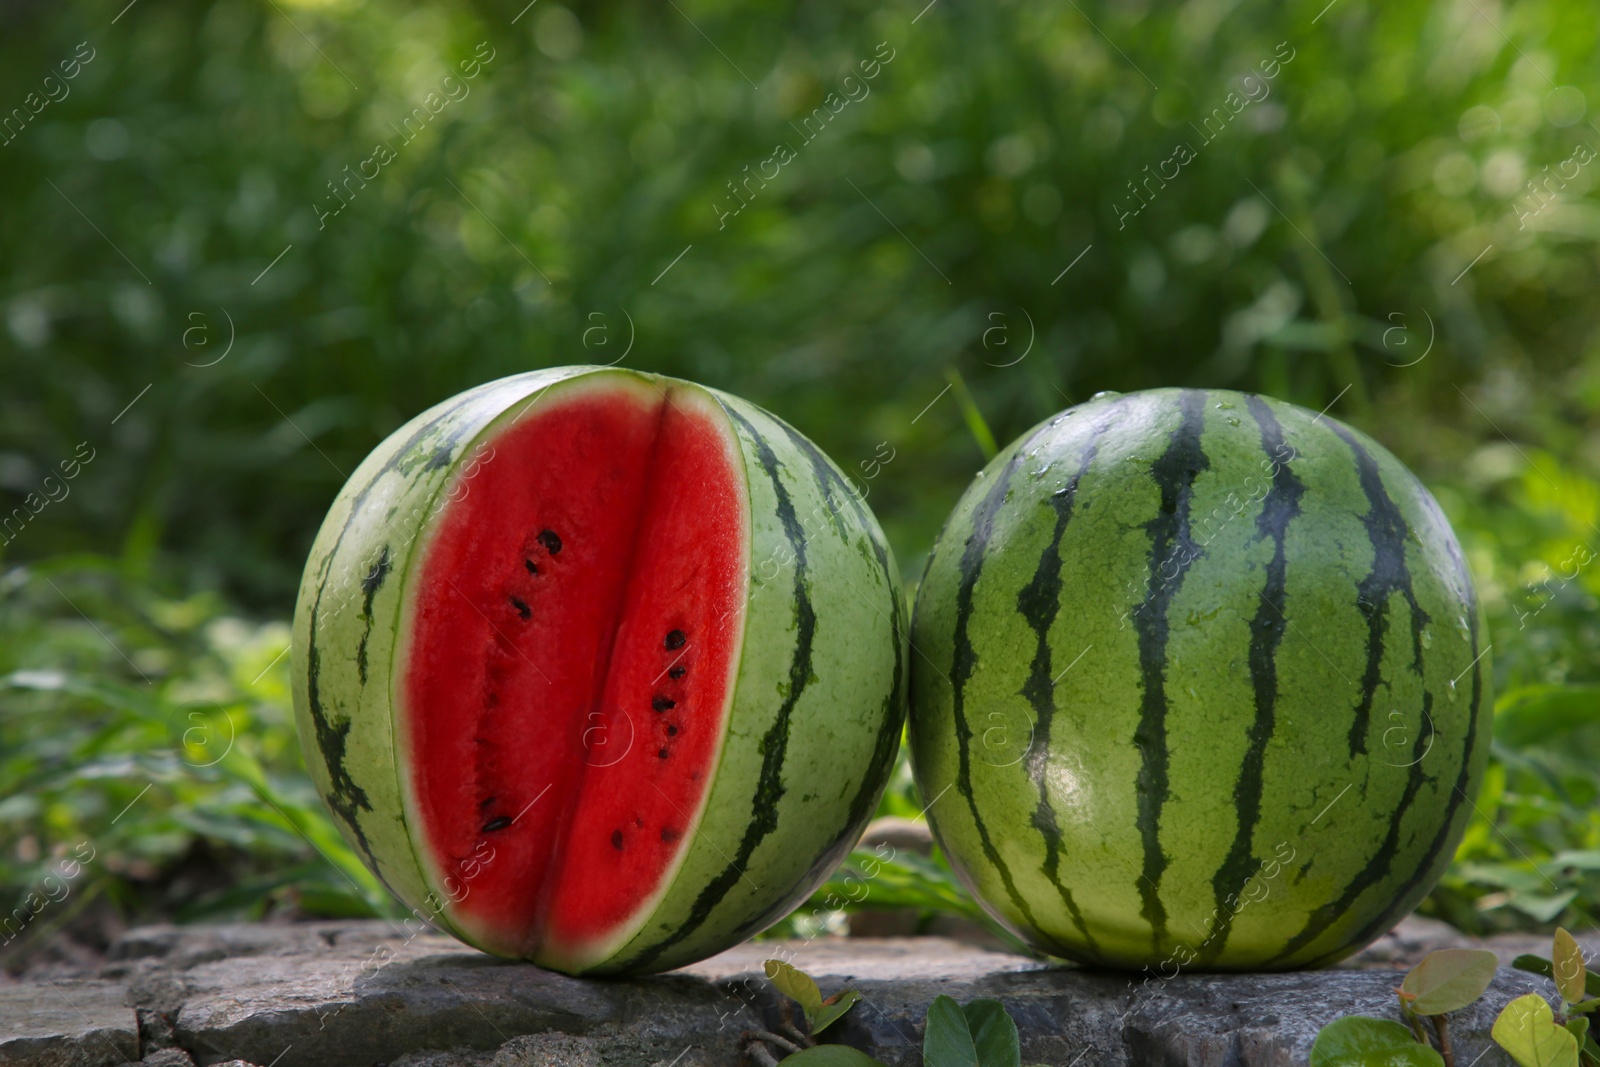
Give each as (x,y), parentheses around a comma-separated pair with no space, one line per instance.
(1200,683)
(599,669)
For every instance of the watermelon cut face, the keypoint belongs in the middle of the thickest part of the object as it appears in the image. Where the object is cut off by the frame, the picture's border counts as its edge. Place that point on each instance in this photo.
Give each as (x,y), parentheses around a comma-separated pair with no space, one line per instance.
(599,669)
(575,624)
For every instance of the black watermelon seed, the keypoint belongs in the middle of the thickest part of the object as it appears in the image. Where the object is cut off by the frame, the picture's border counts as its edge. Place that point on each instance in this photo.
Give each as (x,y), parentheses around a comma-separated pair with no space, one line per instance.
(675,638)
(672,731)
(616,839)
(486,802)
(662,703)
(662,754)
(533,568)
(550,541)
(669,835)
(522,608)
(497,824)
(678,672)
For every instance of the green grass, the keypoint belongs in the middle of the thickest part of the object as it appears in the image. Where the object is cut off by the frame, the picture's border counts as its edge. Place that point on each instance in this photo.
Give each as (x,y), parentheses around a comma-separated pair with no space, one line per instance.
(158,739)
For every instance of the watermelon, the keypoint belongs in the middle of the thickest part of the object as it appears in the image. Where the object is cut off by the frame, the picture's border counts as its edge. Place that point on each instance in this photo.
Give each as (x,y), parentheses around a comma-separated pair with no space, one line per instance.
(599,669)
(1201,682)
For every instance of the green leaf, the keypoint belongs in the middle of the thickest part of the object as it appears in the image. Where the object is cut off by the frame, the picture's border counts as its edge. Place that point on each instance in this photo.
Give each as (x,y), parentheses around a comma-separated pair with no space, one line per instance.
(1544,714)
(1537,965)
(947,1042)
(1566,960)
(832,1056)
(1448,980)
(974,418)
(1358,1041)
(1527,1030)
(1543,907)
(833,1009)
(797,985)
(994,1035)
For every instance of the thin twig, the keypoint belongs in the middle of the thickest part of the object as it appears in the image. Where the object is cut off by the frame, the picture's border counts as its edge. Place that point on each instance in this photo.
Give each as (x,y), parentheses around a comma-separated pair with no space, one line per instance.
(758,1052)
(788,1025)
(1441,1026)
(772,1038)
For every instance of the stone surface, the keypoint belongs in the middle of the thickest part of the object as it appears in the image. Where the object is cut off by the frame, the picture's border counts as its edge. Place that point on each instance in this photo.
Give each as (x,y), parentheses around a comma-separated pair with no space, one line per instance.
(365,993)
(66,1023)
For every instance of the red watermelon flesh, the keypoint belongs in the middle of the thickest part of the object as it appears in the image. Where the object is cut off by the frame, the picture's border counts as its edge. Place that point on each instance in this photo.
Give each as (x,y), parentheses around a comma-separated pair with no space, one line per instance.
(574,633)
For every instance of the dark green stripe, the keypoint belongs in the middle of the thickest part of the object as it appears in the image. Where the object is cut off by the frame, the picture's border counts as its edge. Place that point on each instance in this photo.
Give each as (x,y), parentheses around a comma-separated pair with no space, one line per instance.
(774,744)
(1382,861)
(370,584)
(1278,509)
(861,806)
(964,659)
(888,741)
(828,477)
(1388,532)
(1425,870)
(1170,542)
(345,797)
(1040,602)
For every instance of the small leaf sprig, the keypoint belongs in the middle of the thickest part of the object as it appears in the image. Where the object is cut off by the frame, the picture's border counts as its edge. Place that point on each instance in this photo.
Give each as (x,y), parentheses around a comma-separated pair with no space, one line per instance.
(980,1033)
(1445,981)
(1528,1028)
(1534,1033)
(818,1014)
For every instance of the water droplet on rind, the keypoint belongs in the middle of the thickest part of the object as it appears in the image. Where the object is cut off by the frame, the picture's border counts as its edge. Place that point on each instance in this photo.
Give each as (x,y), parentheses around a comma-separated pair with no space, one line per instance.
(1105,394)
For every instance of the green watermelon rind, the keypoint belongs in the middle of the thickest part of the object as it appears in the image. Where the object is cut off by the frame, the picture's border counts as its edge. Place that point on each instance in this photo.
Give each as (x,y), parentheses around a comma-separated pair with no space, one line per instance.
(1097,848)
(771,828)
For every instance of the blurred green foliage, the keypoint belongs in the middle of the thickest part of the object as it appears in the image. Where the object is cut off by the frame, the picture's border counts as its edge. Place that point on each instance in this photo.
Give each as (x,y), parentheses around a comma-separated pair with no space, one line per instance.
(1362,233)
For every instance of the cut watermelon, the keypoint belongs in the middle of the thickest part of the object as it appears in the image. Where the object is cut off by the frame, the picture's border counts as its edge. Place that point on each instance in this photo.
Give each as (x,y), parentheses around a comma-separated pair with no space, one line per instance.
(568,679)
